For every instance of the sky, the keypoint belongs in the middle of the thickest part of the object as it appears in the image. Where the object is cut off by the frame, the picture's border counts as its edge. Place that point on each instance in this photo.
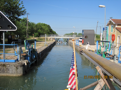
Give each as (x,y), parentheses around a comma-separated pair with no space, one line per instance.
(67,16)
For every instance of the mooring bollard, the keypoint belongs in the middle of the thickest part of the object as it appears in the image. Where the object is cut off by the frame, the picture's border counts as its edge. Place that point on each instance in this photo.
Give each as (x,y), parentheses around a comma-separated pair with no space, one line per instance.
(115,52)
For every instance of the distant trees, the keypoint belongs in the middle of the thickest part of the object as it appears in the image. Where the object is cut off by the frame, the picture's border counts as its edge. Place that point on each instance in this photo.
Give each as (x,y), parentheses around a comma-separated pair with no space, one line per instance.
(39,29)
(77,34)
(36,29)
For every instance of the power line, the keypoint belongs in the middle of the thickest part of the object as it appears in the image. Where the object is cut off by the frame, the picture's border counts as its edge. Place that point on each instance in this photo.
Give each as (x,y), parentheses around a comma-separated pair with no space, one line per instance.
(66,16)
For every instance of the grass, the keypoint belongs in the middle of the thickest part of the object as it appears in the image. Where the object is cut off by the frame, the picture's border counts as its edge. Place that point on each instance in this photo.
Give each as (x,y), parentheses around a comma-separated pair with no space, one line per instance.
(38,39)
(6,50)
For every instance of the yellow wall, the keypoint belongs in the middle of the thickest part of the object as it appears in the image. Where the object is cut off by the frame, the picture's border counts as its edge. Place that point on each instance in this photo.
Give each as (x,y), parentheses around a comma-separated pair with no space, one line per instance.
(117,33)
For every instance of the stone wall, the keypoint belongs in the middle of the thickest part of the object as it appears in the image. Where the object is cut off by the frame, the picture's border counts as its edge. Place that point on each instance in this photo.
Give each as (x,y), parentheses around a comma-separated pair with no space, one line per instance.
(21,67)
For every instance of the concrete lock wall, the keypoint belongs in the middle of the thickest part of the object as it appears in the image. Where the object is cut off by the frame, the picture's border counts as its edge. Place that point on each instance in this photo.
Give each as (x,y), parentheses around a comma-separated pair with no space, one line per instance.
(44,50)
(21,67)
(12,69)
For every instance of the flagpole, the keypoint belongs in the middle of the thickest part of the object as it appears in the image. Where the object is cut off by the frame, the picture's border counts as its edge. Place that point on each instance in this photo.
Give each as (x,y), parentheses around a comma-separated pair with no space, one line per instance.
(75,64)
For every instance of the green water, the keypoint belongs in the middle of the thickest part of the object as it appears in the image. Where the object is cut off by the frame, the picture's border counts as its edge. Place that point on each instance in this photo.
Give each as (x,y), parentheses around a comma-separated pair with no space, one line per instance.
(52,73)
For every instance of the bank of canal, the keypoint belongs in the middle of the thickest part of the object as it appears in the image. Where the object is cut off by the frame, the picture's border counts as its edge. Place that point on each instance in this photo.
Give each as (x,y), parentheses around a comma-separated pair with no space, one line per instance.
(52,73)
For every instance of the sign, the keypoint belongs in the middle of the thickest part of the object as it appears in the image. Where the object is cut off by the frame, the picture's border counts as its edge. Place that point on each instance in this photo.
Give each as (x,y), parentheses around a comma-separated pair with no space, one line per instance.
(6,24)
(105,28)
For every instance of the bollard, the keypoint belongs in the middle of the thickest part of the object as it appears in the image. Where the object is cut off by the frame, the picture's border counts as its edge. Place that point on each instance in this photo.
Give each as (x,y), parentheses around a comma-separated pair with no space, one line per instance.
(114,57)
(115,52)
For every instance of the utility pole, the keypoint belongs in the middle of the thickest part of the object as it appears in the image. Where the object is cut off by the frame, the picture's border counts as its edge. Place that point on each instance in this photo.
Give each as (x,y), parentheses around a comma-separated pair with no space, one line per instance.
(96,30)
(100,36)
(100,29)
(27,26)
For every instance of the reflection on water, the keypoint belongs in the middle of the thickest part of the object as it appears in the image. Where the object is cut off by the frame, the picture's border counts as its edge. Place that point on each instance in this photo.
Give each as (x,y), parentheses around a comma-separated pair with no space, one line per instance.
(52,73)
(86,63)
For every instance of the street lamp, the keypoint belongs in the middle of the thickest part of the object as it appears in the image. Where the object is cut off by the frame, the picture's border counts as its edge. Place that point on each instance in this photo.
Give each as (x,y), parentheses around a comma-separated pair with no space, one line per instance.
(103,6)
(73,34)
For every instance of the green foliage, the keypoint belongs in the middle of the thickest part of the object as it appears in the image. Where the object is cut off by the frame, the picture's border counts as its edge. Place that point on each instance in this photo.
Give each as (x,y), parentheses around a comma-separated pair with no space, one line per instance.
(33,29)
(71,34)
(97,37)
(13,9)
(39,29)
(77,34)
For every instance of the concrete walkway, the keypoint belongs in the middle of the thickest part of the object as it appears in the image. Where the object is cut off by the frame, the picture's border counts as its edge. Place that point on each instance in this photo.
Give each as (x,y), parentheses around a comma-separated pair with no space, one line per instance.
(11,50)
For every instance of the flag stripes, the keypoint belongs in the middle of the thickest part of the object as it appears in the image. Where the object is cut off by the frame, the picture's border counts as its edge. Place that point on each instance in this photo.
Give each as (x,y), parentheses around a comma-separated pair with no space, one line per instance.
(72,79)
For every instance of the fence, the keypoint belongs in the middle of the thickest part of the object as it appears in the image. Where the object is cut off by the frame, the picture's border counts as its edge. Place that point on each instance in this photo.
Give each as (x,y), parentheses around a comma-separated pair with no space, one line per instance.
(14,54)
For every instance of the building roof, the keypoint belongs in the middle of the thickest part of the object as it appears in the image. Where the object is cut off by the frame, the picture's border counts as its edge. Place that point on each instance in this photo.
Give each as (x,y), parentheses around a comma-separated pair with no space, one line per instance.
(119,29)
(114,21)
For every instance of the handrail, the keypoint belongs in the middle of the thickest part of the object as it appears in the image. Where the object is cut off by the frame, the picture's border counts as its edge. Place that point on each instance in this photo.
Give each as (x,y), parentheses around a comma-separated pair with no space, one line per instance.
(9,44)
(5,60)
(111,67)
(26,43)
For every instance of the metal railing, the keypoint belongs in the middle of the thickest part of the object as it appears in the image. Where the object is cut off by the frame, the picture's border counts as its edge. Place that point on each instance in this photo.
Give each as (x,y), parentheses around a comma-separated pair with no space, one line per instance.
(15,53)
(54,35)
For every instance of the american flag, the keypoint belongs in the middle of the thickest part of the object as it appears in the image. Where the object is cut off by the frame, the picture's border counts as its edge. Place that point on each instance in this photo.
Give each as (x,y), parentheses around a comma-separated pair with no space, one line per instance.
(72,79)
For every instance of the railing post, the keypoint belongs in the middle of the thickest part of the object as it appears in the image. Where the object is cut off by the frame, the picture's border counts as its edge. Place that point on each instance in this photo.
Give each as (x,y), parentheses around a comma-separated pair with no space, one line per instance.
(19,54)
(34,44)
(96,46)
(25,44)
(14,46)
(4,46)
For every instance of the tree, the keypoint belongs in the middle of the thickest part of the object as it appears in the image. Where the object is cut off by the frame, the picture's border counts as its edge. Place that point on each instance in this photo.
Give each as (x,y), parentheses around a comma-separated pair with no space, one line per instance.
(21,28)
(13,9)
(36,29)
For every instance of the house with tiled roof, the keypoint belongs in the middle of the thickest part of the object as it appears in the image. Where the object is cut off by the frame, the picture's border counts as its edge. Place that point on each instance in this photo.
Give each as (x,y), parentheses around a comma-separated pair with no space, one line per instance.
(114,26)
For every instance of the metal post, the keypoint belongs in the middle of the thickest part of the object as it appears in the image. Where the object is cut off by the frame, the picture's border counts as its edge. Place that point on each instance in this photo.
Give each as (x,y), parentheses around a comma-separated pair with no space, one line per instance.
(4,46)
(105,28)
(35,44)
(14,46)
(96,30)
(100,29)
(97,46)
(45,39)
(100,36)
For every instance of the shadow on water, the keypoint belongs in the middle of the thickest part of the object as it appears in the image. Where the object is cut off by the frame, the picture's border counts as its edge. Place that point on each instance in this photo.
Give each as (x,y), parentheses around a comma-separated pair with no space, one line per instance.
(86,63)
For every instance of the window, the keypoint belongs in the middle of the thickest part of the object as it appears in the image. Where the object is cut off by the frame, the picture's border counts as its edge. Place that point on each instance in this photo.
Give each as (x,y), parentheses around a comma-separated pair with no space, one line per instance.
(111,28)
